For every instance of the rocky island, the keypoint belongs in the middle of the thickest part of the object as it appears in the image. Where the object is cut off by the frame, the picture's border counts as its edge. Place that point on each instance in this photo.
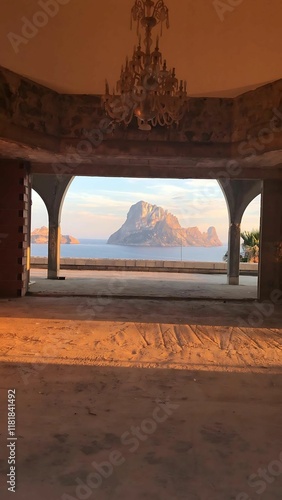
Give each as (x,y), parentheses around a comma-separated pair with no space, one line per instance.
(40,236)
(149,225)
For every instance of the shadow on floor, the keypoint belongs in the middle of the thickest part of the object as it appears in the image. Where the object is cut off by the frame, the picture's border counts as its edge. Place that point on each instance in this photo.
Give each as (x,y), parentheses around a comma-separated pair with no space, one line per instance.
(170,434)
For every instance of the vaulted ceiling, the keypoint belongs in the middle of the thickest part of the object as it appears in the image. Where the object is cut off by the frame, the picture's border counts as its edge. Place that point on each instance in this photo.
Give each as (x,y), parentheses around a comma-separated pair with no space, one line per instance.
(221,50)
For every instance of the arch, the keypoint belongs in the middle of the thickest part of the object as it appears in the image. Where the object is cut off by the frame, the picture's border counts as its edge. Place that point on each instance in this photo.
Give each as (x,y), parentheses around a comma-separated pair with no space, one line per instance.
(238,194)
(244,214)
(53,188)
(40,196)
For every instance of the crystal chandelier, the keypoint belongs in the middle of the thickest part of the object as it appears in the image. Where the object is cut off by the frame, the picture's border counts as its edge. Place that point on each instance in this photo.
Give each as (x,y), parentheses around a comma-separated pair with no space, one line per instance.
(147,89)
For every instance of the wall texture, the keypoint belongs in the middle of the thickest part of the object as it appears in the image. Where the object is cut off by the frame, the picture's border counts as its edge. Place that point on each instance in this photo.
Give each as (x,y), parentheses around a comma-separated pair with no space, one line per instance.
(14,228)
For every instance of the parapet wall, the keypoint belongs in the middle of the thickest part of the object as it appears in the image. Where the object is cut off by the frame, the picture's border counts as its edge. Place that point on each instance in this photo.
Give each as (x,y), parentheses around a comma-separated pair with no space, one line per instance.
(145,266)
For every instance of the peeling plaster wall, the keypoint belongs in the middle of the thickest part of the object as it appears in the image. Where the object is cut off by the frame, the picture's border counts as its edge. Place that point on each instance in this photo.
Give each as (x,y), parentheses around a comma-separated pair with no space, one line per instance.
(37,108)
(28,104)
(253,111)
(210,121)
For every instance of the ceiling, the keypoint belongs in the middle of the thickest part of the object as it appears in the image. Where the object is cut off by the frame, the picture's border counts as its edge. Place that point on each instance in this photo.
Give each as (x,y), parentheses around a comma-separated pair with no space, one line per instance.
(87,41)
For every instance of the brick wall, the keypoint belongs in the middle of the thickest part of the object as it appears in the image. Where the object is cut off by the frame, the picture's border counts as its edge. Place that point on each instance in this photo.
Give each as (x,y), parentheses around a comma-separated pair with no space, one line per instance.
(14,228)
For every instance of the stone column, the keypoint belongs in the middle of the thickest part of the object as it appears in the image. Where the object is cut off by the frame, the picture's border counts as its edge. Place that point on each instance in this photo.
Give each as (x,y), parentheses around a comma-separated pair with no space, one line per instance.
(238,194)
(270,268)
(29,229)
(54,247)
(14,224)
(234,246)
(52,189)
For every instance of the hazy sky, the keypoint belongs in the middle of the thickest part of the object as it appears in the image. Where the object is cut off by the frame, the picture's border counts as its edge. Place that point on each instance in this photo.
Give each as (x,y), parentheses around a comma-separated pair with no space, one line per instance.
(96,207)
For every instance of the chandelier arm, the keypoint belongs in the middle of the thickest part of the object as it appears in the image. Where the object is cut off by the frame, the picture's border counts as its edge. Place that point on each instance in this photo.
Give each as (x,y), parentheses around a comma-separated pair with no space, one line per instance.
(138,12)
(161,12)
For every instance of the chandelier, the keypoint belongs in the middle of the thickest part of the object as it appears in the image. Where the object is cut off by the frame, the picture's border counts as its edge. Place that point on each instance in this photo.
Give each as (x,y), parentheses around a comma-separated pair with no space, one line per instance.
(147,89)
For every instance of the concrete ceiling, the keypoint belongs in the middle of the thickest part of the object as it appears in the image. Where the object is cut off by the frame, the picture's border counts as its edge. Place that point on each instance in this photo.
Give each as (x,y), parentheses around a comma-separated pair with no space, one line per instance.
(87,41)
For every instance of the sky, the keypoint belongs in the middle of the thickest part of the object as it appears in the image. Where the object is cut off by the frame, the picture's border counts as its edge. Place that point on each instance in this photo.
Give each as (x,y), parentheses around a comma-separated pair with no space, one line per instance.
(96,207)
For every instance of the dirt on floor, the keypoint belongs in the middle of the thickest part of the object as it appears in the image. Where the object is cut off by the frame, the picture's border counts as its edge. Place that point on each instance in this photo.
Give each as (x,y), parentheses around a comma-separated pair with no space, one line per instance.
(142,399)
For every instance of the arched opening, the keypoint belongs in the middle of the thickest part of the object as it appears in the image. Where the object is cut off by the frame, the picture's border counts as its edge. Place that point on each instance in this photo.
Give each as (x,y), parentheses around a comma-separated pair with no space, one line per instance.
(251,217)
(96,208)
(251,224)
(52,190)
(39,227)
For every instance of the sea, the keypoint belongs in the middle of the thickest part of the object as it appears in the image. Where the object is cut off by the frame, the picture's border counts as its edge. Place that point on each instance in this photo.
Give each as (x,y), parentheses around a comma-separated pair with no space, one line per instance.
(98,249)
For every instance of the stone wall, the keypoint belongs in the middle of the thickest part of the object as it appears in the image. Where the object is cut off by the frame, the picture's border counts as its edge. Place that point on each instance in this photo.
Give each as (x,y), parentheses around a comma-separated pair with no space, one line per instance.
(209,120)
(44,127)
(253,112)
(144,265)
(29,105)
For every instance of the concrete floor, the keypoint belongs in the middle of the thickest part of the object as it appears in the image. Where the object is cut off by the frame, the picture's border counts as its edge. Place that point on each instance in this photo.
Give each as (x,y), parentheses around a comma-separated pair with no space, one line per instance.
(198,384)
(143,284)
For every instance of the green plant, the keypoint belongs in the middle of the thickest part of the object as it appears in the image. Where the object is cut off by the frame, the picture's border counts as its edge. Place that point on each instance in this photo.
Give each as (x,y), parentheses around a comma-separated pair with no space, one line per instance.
(251,243)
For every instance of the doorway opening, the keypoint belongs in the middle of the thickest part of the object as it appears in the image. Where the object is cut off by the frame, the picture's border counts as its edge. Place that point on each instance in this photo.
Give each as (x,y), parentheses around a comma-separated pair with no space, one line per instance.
(97,208)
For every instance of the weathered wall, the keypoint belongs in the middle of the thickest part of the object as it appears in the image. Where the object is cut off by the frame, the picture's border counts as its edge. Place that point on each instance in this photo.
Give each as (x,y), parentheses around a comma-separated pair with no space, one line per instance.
(270,282)
(27,104)
(208,121)
(253,112)
(43,127)
(14,223)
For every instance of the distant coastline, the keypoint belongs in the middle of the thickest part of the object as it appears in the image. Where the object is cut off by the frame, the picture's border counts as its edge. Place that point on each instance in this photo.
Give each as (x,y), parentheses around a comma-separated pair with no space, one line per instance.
(98,248)
(40,236)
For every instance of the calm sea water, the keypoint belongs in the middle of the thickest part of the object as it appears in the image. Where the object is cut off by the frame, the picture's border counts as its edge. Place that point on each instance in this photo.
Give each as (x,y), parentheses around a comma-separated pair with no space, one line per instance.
(98,249)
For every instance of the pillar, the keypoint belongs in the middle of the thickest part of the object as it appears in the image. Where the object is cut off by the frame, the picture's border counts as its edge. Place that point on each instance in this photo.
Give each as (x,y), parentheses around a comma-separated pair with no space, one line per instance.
(54,247)
(238,194)
(270,268)
(234,247)
(14,224)
(52,189)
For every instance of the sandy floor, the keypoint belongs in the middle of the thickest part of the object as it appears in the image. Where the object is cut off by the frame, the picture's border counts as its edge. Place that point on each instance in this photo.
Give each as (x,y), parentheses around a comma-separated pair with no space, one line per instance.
(181,400)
